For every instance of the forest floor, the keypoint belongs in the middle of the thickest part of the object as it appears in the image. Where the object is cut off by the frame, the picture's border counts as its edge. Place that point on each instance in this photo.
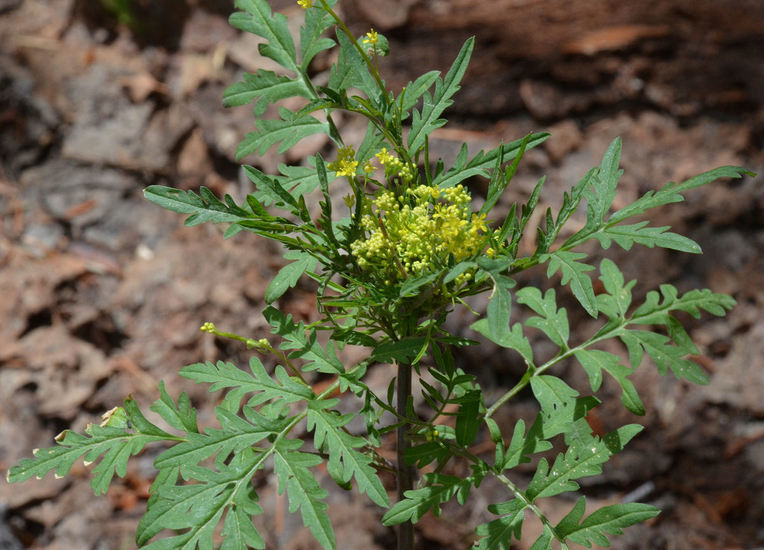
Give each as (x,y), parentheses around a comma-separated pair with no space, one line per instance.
(103,293)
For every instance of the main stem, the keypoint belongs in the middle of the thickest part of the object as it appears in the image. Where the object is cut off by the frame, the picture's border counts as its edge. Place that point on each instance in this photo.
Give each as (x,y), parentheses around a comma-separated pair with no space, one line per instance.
(404,473)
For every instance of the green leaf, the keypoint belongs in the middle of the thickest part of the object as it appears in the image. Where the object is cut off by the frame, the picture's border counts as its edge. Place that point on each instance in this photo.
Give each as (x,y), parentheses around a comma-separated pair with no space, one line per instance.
(616,299)
(401,350)
(235,435)
(299,180)
(259,20)
(358,75)
(512,339)
(606,520)
(522,444)
(414,90)
(552,321)
(672,192)
(600,196)
(498,311)
(271,189)
(467,417)
(345,461)
(205,207)
(411,286)
(575,463)
(292,469)
(426,453)
(312,40)
(544,542)
(181,416)
(595,361)
(424,122)
(561,407)
(497,534)
(223,375)
(325,219)
(238,530)
(483,161)
(518,227)
(501,179)
(114,446)
(288,130)
(627,235)
(304,343)
(570,203)
(265,86)
(199,507)
(664,355)
(573,273)
(655,311)
(440,489)
(288,275)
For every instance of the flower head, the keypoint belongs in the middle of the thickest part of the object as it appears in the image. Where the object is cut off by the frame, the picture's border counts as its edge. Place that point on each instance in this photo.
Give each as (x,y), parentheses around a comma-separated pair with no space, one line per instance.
(305,4)
(417,232)
(346,164)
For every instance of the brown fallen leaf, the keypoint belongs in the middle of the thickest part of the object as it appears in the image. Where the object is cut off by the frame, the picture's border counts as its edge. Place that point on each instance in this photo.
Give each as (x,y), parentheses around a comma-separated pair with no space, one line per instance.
(613,38)
(141,85)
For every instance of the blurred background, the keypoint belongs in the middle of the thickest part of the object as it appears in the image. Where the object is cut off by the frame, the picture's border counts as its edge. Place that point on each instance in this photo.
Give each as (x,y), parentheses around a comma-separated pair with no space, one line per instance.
(103,293)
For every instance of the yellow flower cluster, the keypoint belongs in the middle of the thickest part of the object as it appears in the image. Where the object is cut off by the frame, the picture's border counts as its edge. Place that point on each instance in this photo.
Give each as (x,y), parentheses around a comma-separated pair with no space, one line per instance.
(305,4)
(412,234)
(395,166)
(346,164)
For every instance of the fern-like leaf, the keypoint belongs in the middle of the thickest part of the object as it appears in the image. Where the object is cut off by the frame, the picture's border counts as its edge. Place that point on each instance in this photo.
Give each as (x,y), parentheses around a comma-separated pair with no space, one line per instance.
(439,489)
(288,130)
(483,161)
(574,273)
(198,508)
(608,520)
(292,468)
(203,208)
(578,461)
(235,435)
(258,19)
(551,321)
(345,460)
(424,122)
(303,343)
(113,445)
(626,236)
(497,534)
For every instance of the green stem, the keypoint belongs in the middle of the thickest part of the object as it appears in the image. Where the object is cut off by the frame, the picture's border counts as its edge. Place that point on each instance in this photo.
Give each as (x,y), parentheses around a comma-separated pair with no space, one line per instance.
(531,372)
(372,69)
(528,504)
(404,473)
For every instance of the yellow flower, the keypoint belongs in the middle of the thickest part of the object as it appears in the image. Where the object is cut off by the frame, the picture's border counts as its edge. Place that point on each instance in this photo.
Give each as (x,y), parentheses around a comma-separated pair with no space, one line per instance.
(345,165)
(385,157)
(305,4)
(371,38)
